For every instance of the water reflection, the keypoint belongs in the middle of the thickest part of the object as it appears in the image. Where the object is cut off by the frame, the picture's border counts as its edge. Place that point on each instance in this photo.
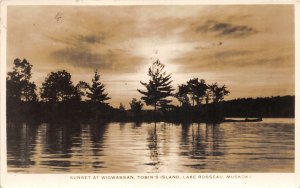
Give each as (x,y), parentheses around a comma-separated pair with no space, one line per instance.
(153,148)
(136,125)
(198,151)
(21,140)
(71,147)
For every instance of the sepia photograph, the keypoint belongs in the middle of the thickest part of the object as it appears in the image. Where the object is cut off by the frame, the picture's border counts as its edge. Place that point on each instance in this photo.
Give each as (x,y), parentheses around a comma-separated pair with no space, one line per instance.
(151,89)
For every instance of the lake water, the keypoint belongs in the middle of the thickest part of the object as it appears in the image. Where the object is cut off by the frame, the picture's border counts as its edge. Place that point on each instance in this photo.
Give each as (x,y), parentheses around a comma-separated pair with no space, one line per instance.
(266,146)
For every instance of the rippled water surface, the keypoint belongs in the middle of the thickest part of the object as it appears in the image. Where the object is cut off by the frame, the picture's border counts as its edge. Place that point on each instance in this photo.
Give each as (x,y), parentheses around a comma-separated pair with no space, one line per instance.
(266,146)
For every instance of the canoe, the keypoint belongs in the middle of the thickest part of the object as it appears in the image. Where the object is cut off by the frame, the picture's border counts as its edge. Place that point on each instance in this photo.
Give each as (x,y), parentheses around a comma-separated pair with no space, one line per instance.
(243,120)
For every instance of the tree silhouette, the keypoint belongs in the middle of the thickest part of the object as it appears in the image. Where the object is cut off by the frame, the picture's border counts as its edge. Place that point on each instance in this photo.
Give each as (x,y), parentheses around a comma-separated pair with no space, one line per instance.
(19,87)
(207,94)
(158,88)
(136,105)
(182,95)
(122,107)
(197,90)
(58,87)
(96,92)
(218,93)
(81,89)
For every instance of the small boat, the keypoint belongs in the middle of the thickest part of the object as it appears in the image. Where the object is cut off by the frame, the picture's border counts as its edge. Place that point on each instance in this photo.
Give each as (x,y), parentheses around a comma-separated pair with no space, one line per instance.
(243,120)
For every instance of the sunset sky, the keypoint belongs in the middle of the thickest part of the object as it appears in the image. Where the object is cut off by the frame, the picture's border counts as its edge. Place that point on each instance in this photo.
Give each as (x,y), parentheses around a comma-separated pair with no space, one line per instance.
(250,49)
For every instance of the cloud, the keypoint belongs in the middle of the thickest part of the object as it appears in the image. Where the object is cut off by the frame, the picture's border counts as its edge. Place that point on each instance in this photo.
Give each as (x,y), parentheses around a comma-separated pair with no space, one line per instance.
(116,60)
(232,54)
(75,40)
(225,29)
(92,51)
(230,60)
(82,57)
(91,39)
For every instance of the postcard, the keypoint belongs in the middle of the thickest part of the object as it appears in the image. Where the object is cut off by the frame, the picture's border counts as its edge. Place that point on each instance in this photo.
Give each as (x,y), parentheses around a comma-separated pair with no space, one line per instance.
(149,94)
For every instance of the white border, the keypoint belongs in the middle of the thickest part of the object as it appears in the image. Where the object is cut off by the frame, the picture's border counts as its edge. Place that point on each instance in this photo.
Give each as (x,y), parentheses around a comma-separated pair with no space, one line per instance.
(274,180)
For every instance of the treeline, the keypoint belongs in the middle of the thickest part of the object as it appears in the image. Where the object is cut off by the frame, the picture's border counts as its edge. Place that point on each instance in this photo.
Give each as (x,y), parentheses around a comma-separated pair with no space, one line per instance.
(60,99)
(279,106)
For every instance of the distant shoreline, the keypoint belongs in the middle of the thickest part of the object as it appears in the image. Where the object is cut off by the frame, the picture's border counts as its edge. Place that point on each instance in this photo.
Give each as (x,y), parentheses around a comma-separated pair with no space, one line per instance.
(268,107)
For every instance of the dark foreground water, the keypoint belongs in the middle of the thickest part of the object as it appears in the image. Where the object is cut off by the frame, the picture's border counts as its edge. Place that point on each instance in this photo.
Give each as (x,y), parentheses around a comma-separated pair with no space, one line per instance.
(128,147)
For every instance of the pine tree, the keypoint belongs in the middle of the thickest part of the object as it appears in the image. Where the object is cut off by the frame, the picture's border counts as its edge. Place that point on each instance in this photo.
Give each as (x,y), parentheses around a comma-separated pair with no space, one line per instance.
(159,88)
(97,90)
